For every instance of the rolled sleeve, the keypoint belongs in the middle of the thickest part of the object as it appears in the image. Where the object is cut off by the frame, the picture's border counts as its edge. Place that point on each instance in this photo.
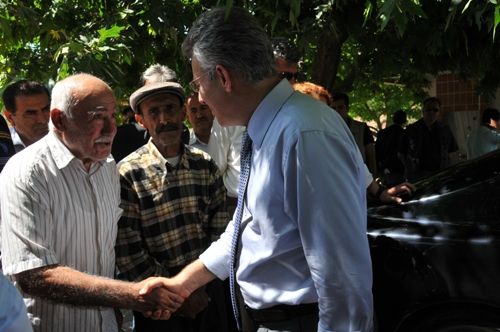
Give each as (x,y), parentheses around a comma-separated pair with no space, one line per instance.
(218,256)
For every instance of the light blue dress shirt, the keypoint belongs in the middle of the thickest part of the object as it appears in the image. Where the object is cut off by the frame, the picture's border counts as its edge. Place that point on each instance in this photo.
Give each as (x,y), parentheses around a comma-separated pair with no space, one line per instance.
(482,140)
(304,222)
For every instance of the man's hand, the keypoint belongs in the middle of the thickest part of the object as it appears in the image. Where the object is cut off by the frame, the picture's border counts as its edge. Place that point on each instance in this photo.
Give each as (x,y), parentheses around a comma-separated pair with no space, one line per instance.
(393,194)
(191,278)
(164,298)
(194,304)
(167,294)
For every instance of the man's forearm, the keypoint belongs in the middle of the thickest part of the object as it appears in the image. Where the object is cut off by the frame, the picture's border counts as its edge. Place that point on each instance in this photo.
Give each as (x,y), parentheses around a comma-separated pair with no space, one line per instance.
(194,276)
(66,285)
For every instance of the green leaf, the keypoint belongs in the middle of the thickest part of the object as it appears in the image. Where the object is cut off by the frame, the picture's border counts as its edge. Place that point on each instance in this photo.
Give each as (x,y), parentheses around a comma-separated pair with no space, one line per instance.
(386,12)
(112,32)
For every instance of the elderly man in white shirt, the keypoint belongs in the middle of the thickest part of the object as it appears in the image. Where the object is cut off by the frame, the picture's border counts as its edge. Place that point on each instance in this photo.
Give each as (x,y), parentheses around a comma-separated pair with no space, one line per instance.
(59,209)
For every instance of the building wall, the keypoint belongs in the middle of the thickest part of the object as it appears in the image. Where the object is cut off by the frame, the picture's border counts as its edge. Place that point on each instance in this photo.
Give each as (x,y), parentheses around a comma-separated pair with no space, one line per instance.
(457,95)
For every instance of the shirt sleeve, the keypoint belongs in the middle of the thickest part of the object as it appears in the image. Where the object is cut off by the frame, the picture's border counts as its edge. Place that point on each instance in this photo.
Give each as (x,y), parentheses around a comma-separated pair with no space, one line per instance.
(328,201)
(133,260)
(27,228)
(218,256)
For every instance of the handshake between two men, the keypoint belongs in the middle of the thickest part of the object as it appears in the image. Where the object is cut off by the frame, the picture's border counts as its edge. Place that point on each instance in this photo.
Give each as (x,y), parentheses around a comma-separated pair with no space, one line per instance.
(183,294)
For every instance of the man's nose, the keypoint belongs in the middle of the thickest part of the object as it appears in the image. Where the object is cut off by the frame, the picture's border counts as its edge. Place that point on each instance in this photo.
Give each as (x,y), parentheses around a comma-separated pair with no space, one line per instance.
(200,98)
(164,116)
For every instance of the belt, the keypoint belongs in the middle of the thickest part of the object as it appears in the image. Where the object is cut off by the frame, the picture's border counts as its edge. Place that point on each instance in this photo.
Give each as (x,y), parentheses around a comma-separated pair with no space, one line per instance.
(281,312)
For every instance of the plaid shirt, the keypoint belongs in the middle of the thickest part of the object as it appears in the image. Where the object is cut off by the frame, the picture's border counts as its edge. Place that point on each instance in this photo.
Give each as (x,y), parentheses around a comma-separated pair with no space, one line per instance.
(170,214)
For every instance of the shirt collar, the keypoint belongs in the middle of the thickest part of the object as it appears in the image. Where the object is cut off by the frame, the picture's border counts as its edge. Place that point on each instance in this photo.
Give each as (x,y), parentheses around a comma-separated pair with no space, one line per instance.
(63,156)
(16,139)
(153,150)
(193,139)
(267,110)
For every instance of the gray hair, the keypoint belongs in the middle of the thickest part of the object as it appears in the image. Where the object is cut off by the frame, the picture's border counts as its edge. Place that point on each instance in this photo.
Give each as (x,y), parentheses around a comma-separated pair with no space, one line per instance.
(232,38)
(63,97)
(158,73)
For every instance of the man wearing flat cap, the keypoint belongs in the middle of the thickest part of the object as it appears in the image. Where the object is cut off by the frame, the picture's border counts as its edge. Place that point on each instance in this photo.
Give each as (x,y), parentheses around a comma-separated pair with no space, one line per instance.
(173,201)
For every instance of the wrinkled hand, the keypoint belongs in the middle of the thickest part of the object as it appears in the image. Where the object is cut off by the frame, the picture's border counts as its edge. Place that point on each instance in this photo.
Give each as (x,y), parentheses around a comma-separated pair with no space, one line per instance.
(194,304)
(393,194)
(169,296)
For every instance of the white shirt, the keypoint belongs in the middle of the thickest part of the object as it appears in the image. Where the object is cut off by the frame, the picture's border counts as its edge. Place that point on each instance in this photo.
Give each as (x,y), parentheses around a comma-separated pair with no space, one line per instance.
(304,225)
(54,212)
(224,147)
(13,316)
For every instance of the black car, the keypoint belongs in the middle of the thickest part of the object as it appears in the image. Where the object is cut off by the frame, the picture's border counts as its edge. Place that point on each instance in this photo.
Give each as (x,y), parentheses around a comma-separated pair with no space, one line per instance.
(436,257)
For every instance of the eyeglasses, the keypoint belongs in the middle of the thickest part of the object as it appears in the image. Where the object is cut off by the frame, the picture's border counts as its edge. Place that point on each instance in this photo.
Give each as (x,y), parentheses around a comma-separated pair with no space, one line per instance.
(289,75)
(194,85)
(435,110)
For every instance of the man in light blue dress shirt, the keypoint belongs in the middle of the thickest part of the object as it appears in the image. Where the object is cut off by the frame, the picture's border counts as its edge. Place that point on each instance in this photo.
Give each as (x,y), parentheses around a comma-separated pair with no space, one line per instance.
(303,242)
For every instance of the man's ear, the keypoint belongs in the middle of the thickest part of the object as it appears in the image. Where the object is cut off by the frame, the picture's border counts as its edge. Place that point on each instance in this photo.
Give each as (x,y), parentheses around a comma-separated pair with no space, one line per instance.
(224,78)
(9,117)
(139,119)
(57,117)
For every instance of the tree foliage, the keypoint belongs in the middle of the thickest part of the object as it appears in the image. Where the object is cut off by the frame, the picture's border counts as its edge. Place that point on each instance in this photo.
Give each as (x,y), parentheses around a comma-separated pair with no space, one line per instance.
(377,48)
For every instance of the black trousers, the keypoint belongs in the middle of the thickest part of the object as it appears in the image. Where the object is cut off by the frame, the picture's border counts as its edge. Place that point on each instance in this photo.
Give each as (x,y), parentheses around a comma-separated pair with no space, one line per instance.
(299,318)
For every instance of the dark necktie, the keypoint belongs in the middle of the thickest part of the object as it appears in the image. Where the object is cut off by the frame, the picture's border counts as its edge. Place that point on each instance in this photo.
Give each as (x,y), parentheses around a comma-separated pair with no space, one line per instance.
(245,163)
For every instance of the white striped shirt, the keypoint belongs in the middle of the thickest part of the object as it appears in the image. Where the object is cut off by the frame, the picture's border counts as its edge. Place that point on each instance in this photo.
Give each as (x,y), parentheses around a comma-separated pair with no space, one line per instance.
(54,212)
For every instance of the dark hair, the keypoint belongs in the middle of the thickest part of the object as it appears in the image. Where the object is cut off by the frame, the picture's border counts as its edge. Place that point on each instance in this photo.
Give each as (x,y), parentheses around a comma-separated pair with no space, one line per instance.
(232,38)
(341,96)
(399,117)
(490,114)
(284,49)
(22,88)
(431,100)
